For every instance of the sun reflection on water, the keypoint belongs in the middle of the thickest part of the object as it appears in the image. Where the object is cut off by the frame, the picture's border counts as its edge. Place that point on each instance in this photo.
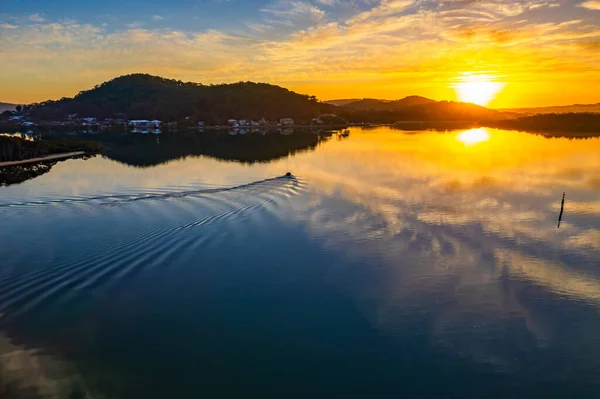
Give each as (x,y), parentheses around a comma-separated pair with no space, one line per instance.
(473,136)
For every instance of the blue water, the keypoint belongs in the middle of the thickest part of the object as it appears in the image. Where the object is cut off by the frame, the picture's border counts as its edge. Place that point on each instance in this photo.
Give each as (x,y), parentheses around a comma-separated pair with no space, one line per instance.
(391,264)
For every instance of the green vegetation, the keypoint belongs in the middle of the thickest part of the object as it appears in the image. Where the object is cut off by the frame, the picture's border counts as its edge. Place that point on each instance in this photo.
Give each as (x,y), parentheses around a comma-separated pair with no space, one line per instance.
(16,149)
(142,96)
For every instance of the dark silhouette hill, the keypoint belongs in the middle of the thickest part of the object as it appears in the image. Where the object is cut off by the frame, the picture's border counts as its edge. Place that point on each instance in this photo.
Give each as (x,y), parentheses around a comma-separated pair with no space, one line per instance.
(417,109)
(370,104)
(141,96)
(414,108)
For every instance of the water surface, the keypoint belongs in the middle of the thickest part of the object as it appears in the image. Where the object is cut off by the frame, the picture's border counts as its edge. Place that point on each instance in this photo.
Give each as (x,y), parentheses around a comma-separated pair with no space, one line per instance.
(392,264)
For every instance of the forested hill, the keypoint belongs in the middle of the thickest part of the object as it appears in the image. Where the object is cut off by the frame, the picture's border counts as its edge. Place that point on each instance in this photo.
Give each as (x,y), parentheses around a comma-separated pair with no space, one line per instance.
(141,96)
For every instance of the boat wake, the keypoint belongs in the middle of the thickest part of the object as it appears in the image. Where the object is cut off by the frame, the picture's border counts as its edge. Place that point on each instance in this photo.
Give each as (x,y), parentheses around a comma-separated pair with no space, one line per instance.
(125,198)
(168,233)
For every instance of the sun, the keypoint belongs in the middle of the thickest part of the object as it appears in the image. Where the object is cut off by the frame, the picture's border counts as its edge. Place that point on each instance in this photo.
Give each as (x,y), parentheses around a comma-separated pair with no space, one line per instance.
(478,89)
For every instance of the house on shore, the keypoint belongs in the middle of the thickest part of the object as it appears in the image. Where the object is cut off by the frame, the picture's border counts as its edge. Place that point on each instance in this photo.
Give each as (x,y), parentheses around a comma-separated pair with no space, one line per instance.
(286,121)
(145,124)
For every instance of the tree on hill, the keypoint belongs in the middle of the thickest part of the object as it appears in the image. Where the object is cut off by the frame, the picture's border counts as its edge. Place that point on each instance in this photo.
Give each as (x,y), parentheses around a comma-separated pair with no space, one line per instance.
(141,96)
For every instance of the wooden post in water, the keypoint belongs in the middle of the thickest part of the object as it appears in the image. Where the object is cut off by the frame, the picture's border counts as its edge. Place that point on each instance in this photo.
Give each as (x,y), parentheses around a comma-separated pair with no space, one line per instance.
(562,208)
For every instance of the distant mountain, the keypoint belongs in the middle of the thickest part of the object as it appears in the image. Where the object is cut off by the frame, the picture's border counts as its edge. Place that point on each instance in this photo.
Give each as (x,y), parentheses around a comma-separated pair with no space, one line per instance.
(565,109)
(7,107)
(413,100)
(387,105)
(141,96)
(415,108)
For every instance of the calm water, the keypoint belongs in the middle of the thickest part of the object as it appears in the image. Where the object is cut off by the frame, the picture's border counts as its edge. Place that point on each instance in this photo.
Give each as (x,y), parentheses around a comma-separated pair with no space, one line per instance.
(393,264)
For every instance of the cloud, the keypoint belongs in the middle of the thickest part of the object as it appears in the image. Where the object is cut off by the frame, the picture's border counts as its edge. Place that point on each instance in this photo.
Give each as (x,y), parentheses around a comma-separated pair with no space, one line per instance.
(386,48)
(158,17)
(591,4)
(480,247)
(78,56)
(386,8)
(588,238)
(295,13)
(329,3)
(37,18)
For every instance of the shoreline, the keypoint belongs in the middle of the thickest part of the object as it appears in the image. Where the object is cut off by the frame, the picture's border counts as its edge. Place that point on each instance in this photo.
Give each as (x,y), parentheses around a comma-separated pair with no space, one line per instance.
(42,159)
(16,128)
(339,126)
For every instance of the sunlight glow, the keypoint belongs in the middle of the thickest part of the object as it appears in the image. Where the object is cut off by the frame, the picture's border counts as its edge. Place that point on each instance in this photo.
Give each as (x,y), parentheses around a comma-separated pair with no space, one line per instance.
(477,89)
(473,136)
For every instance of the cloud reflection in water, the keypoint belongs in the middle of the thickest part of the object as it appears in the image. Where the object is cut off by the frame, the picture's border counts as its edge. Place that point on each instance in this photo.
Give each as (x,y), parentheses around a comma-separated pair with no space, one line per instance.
(465,235)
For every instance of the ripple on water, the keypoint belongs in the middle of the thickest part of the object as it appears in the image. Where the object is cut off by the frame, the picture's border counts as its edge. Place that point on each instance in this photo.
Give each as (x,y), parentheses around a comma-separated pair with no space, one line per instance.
(170,225)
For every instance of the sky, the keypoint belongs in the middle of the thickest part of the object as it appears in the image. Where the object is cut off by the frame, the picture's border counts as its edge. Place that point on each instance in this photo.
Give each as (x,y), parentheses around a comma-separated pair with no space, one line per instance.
(509,53)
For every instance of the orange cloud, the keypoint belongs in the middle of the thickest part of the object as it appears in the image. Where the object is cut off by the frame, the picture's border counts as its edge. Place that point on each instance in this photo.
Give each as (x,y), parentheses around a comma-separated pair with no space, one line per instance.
(393,49)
